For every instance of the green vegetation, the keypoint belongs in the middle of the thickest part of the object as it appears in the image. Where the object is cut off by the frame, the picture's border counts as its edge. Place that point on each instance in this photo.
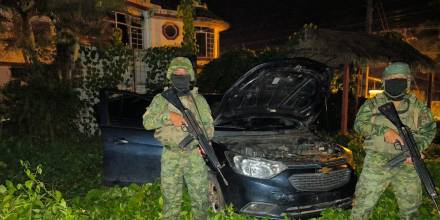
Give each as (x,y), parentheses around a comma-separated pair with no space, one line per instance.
(67,185)
(220,74)
(74,168)
(38,104)
(156,60)
(185,10)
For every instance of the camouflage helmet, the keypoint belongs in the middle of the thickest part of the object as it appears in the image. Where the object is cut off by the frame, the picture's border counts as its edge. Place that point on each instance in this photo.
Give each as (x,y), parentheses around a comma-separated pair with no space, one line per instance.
(397,70)
(180,62)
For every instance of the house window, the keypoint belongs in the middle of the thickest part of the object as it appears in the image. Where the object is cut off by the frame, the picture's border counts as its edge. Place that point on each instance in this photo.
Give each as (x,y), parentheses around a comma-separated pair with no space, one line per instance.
(131,27)
(205,42)
(170,31)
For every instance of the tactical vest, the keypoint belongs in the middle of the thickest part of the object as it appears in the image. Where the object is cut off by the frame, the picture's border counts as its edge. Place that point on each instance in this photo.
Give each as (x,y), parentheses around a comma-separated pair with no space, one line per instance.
(169,135)
(408,113)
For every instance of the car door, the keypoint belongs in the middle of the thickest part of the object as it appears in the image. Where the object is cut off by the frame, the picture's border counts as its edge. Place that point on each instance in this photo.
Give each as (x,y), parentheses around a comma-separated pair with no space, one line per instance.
(131,154)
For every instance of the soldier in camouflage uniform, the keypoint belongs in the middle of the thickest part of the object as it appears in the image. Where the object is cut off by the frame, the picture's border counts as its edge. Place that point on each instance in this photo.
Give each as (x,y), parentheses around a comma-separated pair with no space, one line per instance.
(380,136)
(179,166)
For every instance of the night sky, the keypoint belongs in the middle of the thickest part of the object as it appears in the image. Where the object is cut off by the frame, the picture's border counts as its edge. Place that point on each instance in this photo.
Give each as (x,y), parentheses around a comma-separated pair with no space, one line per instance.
(257,23)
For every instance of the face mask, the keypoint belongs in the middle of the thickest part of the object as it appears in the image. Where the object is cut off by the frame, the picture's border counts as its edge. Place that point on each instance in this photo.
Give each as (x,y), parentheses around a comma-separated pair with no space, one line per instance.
(396,88)
(181,83)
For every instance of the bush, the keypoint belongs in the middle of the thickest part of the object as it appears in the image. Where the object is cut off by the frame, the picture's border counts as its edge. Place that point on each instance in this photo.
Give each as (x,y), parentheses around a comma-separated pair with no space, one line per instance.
(73,166)
(218,75)
(40,105)
(32,200)
(131,202)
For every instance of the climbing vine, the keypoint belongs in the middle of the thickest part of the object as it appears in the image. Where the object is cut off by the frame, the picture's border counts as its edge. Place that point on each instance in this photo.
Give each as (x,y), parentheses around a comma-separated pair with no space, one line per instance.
(103,68)
(157,60)
(185,10)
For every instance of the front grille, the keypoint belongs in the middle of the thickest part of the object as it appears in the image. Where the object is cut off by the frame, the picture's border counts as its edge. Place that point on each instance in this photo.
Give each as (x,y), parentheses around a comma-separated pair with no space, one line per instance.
(320,181)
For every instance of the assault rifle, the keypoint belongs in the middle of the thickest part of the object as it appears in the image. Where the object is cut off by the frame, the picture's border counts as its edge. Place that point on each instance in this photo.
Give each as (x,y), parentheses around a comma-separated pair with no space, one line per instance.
(410,147)
(194,130)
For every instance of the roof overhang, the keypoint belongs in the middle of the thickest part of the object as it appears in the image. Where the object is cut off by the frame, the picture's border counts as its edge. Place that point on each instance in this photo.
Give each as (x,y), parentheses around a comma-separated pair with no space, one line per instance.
(220,25)
(338,47)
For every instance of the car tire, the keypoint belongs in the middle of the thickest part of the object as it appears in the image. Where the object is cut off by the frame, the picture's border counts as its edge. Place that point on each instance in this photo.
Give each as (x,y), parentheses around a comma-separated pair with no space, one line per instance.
(215,194)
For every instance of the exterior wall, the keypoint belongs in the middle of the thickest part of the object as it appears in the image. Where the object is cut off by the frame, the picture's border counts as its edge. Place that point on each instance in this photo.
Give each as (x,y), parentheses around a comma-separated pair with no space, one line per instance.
(156,18)
(11,56)
(157,38)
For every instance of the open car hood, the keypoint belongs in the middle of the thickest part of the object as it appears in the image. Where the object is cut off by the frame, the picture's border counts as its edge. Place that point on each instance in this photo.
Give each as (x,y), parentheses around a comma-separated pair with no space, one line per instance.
(293,88)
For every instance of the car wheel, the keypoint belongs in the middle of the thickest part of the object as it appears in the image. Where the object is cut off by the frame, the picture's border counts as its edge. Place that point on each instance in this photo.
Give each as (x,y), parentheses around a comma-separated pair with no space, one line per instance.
(215,194)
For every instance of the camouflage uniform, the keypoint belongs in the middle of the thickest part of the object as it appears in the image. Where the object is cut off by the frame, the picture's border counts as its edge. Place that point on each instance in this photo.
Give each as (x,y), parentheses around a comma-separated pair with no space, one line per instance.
(376,176)
(180,166)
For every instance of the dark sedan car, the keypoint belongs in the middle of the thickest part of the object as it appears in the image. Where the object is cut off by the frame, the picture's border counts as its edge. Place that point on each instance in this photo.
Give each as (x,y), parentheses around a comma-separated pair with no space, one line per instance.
(274,162)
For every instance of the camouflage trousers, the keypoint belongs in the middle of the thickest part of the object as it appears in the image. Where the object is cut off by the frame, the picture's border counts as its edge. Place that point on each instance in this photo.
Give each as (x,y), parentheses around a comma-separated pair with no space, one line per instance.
(376,177)
(177,169)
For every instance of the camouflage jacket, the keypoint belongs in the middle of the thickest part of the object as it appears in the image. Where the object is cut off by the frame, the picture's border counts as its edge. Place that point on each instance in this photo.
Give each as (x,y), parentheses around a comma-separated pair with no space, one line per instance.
(157,117)
(371,124)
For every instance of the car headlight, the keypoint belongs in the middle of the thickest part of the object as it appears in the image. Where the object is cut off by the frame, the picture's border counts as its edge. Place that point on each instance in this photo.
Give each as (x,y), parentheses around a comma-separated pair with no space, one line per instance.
(254,167)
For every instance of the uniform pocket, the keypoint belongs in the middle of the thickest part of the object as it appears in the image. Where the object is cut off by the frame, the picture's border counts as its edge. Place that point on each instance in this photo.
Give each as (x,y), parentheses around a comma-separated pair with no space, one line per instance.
(377,144)
(170,135)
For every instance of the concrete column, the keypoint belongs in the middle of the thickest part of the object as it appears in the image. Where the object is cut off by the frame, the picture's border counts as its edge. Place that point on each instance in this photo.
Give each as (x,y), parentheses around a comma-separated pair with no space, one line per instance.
(216,43)
(146,29)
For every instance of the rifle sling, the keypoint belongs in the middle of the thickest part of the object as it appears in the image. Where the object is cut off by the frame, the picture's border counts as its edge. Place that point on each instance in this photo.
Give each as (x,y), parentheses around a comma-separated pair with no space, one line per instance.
(186,141)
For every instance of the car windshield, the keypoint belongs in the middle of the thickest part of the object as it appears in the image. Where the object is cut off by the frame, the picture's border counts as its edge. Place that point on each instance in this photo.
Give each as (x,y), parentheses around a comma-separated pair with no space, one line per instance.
(259,123)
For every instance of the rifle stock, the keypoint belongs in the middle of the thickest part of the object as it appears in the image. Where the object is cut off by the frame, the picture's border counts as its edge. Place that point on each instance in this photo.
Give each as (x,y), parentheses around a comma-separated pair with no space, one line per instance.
(410,145)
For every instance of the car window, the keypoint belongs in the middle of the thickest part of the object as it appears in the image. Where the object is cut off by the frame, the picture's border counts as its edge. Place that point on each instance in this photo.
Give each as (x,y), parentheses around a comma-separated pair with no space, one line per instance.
(126,110)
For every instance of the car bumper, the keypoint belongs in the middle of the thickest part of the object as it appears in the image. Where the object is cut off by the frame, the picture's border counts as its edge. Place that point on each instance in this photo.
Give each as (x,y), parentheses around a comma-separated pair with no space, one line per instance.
(276,197)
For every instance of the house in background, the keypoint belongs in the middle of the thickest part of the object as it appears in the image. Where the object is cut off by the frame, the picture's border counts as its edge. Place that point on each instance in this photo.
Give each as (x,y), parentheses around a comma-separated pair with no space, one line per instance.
(145,25)
(149,25)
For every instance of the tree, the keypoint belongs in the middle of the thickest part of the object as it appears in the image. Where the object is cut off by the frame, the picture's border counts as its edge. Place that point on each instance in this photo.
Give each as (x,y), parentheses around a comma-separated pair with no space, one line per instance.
(185,11)
(220,74)
(74,19)
(16,20)
(71,19)
(42,100)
